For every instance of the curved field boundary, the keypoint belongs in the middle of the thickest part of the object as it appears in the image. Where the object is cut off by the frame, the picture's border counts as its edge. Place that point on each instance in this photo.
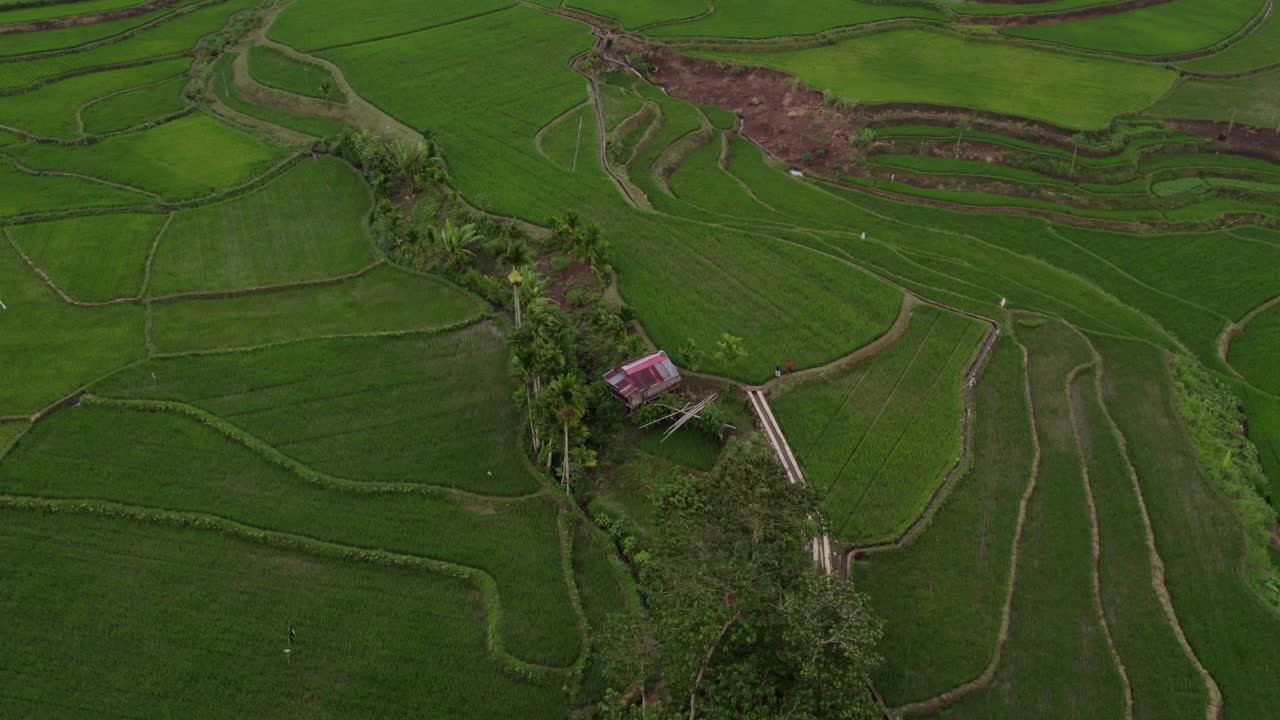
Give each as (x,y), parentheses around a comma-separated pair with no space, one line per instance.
(26,4)
(1218,46)
(86,19)
(957,469)
(481,580)
(632,194)
(565,535)
(264,289)
(27,170)
(41,82)
(424,332)
(366,41)
(146,267)
(268,452)
(83,139)
(158,208)
(780,386)
(62,294)
(356,111)
(160,205)
(80,110)
(1213,710)
(1233,329)
(1095,537)
(555,121)
(674,155)
(829,36)
(635,120)
(1056,16)
(983,681)
(711,9)
(113,39)
(1242,73)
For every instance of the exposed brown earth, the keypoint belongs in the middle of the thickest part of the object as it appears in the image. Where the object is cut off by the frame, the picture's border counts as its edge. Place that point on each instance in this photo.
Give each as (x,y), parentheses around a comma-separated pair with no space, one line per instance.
(89,19)
(1234,138)
(794,123)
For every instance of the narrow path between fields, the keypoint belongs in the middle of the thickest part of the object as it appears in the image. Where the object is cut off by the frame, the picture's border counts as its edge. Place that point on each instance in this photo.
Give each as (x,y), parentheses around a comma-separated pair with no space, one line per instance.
(821,544)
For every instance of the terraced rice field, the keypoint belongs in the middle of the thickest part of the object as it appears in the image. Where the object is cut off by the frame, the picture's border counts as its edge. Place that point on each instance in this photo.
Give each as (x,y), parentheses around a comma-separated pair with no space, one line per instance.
(241,371)
(1180,26)
(915,66)
(878,440)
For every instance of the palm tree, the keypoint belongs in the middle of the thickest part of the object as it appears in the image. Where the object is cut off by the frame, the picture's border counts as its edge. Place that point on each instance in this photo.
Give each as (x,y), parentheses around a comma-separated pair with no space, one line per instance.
(590,249)
(455,243)
(565,228)
(523,359)
(516,279)
(565,395)
(512,250)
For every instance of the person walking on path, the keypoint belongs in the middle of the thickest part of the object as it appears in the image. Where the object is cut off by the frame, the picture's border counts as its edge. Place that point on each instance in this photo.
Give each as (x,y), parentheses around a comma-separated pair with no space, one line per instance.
(777,370)
(788,367)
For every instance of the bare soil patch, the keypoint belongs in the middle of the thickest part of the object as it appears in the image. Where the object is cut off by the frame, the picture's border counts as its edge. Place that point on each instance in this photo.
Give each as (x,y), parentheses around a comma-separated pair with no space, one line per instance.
(1234,138)
(575,275)
(89,19)
(794,123)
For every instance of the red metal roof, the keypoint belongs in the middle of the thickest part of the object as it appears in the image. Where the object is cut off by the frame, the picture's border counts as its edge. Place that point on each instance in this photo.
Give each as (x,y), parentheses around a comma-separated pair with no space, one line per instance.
(643,372)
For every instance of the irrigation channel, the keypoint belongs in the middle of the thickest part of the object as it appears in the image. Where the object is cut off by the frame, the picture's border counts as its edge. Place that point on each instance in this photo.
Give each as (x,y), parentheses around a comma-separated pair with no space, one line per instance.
(821,545)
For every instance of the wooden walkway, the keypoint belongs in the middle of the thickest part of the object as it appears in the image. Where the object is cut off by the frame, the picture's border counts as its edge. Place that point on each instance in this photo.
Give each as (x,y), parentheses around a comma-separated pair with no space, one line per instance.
(821,545)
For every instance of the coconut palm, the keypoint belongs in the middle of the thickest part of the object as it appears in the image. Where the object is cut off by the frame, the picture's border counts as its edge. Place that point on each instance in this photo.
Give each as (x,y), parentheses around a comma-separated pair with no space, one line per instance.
(565,395)
(455,243)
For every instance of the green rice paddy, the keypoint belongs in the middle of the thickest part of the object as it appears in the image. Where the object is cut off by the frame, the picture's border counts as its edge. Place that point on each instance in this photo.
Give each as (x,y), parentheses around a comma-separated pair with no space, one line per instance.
(917,66)
(218,387)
